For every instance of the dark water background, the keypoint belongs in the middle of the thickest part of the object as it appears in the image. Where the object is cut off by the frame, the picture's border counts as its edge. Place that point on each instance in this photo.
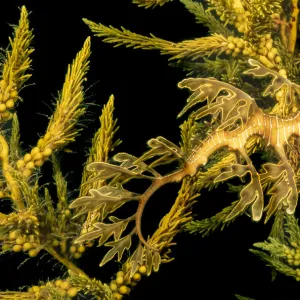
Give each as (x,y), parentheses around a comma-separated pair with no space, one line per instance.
(147,102)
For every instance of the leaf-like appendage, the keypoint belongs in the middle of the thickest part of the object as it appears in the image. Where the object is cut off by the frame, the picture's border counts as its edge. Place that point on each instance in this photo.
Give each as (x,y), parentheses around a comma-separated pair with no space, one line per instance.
(277,83)
(156,261)
(231,171)
(250,194)
(279,191)
(272,171)
(172,148)
(118,248)
(117,191)
(283,189)
(232,104)
(107,171)
(131,162)
(149,261)
(104,231)
(164,148)
(136,259)
(107,197)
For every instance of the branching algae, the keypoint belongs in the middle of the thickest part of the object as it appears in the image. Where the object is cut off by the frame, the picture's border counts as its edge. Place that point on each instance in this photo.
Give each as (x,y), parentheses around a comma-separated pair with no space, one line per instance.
(249,56)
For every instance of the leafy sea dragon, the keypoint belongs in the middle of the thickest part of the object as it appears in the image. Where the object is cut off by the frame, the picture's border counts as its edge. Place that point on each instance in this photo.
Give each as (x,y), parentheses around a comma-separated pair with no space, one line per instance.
(239,118)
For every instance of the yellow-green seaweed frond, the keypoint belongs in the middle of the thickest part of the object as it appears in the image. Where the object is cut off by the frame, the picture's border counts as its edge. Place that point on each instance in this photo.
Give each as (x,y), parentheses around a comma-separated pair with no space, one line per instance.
(225,9)
(68,108)
(282,252)
(18,60)
(206,226)
(205,17)
(172,222)
(293,26)
(91,286)
(17,296)
(262,15)
(61,129)
(265,8)
(150,3)
(7,171)
(192,49)
(16,63)
(15,139)
(29,192)
(2,216)
(60,182)
(221,5)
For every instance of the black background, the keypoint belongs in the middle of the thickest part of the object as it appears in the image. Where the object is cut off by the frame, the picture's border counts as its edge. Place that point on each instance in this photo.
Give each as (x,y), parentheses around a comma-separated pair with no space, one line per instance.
(147,102)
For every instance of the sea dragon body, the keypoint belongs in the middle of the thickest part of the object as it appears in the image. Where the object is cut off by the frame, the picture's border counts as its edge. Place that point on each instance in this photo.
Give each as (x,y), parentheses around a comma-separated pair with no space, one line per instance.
(274,131)
(239,119)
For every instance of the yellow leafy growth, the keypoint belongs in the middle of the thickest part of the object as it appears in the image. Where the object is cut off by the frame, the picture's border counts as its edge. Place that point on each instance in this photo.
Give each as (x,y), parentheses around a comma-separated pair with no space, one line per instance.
(293,26)
(193,49)
(91,286)
(16,63)
(14,143)
(7,173)
(68,108)
(61,129)
(61,183)
(16,296)
(18,59)
(150,3)
(179,214)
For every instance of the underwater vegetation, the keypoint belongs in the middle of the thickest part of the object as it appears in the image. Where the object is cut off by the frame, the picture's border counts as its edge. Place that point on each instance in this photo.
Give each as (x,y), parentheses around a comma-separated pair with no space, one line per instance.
(242,93)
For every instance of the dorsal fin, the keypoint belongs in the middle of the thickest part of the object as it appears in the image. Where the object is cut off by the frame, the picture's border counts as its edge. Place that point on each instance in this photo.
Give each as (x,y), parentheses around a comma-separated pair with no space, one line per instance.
(278,81)
(231,104)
